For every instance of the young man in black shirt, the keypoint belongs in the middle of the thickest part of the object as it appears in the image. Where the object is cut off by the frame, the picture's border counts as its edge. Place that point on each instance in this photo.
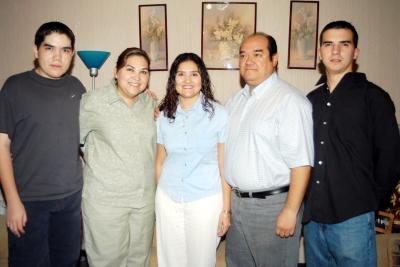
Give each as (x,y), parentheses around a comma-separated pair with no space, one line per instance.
(357,147)
(40,168)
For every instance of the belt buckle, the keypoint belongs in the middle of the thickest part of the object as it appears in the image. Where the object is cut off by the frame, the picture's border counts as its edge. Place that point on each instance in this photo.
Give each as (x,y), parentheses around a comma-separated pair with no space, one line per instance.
(239,194)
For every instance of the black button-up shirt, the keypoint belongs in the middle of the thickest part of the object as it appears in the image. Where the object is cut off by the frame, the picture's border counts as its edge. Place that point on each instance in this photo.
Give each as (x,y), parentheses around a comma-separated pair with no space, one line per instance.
(357,147)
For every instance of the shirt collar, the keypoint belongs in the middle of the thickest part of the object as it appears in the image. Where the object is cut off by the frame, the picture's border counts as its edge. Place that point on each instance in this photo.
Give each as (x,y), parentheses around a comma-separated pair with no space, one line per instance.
(113,96)
(197,107)
(347,77)
(262,87)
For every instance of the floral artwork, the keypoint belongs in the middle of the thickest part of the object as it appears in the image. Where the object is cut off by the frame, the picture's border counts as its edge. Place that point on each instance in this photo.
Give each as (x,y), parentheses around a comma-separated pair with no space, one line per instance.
(153,34)
(154,30)
(303,35)
(224,27)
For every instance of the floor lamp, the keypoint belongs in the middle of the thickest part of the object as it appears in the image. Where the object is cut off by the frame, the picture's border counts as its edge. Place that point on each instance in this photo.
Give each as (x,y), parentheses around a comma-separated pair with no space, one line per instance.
(93,61)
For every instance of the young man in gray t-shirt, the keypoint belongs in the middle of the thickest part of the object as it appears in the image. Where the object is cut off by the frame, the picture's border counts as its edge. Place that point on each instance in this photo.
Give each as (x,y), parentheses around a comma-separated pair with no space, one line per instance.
(40,168)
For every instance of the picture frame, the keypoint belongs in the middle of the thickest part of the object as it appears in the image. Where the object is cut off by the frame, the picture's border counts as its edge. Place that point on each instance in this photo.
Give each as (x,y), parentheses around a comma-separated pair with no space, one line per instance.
(153,34)
(303,34)
(224,25)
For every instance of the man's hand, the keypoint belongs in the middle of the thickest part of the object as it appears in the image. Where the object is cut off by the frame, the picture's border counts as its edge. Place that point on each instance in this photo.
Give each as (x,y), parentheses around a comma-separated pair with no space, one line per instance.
(16,214)
(286,223)
(16,217)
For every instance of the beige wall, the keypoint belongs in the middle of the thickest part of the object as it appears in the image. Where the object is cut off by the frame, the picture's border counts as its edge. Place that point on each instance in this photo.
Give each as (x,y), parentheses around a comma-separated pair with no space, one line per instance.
(113,26)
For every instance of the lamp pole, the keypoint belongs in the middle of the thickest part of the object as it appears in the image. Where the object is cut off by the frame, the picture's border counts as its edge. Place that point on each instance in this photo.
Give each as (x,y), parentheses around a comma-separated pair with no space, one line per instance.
(93,72)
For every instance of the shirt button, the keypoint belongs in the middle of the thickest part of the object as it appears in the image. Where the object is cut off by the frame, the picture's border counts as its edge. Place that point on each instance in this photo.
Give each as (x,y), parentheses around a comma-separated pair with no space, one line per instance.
(324,123)
(184,148)
(320,162)
(322,142)
(328,104)
(317,182)
(185,132)
(185,164)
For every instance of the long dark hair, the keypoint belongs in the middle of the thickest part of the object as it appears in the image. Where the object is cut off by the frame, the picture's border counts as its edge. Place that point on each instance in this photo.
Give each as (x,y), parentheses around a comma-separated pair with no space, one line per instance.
(170,101)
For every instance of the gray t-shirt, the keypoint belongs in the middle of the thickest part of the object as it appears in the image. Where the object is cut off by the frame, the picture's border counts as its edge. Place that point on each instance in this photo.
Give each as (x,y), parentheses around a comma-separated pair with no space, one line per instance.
(41,117)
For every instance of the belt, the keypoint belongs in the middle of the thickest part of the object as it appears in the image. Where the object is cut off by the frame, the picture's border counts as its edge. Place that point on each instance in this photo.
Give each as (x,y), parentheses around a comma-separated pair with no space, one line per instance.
(262,194)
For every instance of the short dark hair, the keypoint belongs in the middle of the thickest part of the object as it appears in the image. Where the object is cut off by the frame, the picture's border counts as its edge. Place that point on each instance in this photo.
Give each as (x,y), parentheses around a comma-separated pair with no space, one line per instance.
(131,51)
(51,27)
(170,102)
(272,47)
(340,24)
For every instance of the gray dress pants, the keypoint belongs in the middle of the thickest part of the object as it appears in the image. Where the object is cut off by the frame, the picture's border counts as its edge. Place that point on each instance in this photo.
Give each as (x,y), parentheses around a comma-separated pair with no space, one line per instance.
(251,240)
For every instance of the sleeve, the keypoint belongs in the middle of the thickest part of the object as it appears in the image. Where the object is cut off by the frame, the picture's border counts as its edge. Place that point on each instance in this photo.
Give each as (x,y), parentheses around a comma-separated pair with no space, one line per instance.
(85,118)
(148,100)
(81,88)
(386,145)
(159,133)
(222,124)
(154,103)
(228,104)
(295,133)
(7,112)
(232,102)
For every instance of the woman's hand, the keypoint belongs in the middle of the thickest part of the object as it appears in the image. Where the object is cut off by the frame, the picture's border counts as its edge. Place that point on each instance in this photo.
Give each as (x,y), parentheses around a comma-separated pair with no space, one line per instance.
(224,222)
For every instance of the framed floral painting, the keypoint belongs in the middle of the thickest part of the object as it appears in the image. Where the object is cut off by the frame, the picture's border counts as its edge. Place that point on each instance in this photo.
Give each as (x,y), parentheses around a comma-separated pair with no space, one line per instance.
(224,26)
(153,34)
(303,30)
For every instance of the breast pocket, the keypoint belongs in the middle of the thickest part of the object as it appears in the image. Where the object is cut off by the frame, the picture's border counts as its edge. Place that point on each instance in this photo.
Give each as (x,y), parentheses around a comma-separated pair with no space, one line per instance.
(174,139)
(266,129)
(204,136)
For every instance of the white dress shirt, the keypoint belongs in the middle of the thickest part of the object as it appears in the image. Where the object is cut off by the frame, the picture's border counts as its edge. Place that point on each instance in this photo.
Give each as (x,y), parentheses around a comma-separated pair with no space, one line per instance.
(269,132)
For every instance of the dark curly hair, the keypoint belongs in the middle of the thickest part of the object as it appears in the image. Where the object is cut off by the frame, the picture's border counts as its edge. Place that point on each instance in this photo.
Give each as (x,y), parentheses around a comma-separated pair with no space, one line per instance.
(170,101)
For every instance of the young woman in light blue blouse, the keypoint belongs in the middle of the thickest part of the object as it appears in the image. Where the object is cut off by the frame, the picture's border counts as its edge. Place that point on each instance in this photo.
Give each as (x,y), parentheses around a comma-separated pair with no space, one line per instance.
(193,198)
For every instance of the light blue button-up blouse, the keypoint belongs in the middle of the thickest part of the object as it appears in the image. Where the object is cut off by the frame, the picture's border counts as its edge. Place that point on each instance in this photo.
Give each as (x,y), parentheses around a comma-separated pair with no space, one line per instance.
(190,170)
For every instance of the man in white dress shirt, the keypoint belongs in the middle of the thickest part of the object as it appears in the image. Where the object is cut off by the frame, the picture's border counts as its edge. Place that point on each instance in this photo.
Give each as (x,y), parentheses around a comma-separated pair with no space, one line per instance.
(269,153)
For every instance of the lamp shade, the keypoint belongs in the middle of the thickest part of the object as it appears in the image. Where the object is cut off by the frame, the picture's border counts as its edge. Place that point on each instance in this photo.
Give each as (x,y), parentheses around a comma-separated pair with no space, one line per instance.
(93,59)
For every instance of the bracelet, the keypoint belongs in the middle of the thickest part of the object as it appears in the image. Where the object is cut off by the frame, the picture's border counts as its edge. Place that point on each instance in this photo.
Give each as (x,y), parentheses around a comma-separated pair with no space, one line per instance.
(227,212)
